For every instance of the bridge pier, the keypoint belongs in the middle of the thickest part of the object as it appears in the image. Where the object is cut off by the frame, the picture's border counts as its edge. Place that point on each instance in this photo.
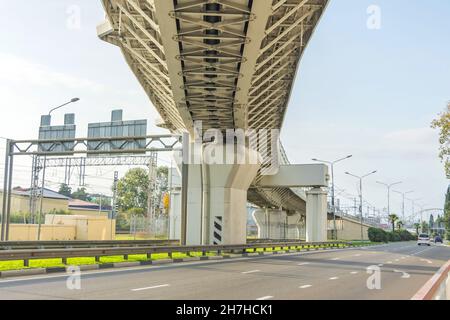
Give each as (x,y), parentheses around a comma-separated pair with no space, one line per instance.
(277,224)
(217,198)
(316,215)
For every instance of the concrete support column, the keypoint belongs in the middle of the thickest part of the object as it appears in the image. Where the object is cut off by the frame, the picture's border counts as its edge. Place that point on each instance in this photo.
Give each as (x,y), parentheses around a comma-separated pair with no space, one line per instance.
(293,226)
(316,215)
(272,224)
(217,196)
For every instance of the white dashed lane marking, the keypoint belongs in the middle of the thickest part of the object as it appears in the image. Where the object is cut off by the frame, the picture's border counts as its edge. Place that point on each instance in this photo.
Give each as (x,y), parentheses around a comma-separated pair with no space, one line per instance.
(265,298)
(306,286)
(153,287)
(251,271)
(334,278)
(426,260)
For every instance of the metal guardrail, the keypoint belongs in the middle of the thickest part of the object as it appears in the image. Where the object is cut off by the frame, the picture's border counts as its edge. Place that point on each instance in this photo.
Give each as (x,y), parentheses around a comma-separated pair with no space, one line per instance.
(12,245)
(28,254)
(55,244)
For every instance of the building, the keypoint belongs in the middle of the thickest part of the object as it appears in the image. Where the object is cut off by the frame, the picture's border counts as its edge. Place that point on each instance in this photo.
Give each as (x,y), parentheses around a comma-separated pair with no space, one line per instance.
(80,207)
(52,202)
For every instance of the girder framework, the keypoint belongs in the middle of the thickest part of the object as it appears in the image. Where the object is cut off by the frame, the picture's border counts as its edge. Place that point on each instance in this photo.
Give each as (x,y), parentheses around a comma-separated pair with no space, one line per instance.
(228,63)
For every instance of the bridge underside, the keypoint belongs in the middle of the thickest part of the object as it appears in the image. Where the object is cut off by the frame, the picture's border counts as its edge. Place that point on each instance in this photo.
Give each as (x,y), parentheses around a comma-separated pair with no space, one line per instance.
(228,63)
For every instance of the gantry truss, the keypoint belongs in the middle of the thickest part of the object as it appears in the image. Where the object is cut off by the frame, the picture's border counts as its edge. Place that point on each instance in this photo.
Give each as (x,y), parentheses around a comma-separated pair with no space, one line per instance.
(227,63)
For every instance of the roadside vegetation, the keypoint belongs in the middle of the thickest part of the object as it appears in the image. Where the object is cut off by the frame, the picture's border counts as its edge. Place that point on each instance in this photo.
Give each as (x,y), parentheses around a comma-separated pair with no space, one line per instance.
(380,235)
(442,123)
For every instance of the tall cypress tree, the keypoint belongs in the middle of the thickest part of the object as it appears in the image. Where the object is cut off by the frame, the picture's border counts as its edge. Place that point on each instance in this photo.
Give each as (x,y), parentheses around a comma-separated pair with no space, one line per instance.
(447,213)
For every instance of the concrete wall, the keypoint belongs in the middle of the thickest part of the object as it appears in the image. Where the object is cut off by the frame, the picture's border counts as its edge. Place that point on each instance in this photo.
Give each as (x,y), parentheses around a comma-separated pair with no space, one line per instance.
(87,227)
(348,229)
(88,212)
(29,232)
(21,204)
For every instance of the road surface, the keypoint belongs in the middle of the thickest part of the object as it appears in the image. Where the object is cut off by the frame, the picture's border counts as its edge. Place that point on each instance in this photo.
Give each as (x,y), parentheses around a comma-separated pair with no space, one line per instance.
(338,274)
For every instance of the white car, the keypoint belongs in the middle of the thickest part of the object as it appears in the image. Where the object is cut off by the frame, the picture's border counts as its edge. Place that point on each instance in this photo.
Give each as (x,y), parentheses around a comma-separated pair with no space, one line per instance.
(423,239)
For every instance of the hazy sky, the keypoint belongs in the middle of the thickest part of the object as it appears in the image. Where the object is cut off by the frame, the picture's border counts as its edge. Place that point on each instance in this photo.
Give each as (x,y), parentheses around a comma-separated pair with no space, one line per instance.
(370,93)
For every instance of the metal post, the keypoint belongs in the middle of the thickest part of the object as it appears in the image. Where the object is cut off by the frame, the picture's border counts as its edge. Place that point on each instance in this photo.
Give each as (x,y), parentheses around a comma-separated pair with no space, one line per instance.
(360,208)
(333,203)
(5,186)
(10,177)
(41,200)
(184,187)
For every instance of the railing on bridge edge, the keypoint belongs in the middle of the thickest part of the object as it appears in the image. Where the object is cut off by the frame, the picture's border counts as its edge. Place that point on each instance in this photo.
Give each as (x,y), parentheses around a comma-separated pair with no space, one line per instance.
(438,287)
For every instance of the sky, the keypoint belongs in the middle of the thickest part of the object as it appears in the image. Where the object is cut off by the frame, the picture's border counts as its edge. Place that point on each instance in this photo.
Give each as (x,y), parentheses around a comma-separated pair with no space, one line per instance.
(367,92)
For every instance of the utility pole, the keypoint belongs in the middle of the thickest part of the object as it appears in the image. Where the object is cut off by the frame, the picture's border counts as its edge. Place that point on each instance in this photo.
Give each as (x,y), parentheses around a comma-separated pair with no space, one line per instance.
(403,194)
(361,197)
(332,163)
(114,210)
(389,186)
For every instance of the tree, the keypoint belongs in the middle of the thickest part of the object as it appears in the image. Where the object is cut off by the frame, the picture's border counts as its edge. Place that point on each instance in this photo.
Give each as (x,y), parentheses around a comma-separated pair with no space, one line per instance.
(443,124)
(132,190)
(392,219)
(65,190)
(446,218)
(80,194)
(162,182)
(425,227)
(400,225)
(417,226)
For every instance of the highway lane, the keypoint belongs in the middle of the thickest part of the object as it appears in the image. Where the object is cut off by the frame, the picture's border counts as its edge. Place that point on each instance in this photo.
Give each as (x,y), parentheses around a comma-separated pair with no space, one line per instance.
(337,274)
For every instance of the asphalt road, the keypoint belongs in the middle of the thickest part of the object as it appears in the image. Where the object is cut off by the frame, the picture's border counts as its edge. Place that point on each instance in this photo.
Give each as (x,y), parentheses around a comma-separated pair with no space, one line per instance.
(339,274)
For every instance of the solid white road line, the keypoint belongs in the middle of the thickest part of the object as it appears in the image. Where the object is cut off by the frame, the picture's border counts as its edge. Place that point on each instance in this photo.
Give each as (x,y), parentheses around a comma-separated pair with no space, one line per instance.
(265,298)
(306,286)
(153,287)
(251,271)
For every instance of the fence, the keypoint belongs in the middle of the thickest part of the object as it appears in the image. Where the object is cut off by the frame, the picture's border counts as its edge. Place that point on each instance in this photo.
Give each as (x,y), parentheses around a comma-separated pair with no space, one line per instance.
(157,227)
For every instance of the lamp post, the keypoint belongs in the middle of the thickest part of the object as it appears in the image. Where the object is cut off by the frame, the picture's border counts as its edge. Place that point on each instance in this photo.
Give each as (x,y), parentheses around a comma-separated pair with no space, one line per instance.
(389,186)
(73,100)
(403,194)
(413,203)
(332,163)
(361,197)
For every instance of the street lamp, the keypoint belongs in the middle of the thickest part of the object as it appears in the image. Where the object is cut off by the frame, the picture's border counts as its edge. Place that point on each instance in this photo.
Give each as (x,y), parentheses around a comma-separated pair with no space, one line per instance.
(403,194)
(389,186)
(332,163)
(413,201)
(361,197)
(73,100)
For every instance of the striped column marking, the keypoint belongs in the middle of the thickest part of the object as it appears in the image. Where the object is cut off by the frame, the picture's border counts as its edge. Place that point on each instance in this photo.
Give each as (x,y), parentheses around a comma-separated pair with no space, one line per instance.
(217,233)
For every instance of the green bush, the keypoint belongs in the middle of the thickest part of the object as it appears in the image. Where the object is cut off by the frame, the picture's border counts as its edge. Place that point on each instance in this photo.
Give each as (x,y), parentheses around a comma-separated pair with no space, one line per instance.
(406,235)
(122,221)
(377,235)
(394,236)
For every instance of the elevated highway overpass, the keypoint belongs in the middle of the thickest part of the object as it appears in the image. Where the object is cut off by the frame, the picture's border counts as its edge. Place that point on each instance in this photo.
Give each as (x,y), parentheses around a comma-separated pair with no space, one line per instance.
(230,64)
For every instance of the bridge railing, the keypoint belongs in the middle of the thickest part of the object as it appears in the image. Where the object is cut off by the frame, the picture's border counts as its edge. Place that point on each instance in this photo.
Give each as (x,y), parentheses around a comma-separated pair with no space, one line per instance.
(438,287)
(28,254)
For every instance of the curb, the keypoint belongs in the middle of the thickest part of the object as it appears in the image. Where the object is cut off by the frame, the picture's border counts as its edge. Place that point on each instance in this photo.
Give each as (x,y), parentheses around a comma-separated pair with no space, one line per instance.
(128,264)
